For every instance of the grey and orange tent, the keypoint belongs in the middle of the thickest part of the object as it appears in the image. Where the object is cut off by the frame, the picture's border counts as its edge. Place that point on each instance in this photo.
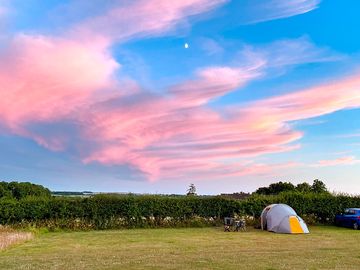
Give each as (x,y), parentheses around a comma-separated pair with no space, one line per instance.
(281,218)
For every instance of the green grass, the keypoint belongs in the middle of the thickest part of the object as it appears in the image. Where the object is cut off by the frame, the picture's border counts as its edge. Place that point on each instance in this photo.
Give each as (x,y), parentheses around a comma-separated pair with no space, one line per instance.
(195,248)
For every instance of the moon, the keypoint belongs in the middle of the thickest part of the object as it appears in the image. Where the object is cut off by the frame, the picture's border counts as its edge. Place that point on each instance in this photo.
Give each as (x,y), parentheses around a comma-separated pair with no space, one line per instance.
(186,46)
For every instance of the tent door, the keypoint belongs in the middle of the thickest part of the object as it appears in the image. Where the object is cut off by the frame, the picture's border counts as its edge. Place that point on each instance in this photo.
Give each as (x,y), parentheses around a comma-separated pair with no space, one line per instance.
(295,226)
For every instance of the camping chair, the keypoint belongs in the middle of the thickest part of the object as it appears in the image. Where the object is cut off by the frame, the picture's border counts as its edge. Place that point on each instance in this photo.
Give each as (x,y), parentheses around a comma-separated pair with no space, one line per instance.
(228,223)
(240,225)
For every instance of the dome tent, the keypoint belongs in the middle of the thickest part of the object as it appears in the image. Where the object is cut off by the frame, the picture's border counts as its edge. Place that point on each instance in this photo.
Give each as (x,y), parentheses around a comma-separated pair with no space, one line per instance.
(281,218)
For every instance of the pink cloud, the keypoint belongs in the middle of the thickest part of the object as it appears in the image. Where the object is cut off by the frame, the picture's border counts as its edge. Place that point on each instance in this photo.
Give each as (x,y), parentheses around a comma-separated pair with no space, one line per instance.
(144,18)
(46,79)
(215,171)
(125,20)
(211,83)
(179,134)
(348,160)
(55,80)
(157,133)
(309,103)
(287,52)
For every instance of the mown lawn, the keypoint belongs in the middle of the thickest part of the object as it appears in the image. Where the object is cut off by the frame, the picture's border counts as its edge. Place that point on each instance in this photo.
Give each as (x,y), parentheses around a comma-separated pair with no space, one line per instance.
(196,248)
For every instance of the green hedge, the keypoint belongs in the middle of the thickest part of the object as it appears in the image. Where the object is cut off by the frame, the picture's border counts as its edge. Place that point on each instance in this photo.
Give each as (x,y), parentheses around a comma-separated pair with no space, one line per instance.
(113,211)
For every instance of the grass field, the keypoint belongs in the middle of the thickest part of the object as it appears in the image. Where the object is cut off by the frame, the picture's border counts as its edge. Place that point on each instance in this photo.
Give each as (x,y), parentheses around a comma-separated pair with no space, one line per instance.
(195,248)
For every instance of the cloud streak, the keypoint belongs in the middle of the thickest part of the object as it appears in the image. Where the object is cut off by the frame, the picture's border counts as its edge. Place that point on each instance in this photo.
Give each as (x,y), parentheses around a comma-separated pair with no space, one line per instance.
(313,102)
(267,10)
(286,53)
(142,18)
(348,160)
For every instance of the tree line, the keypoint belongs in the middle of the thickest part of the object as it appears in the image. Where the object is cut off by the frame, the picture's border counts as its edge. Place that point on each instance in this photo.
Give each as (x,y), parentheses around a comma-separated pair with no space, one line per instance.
(26,204)
(129,211)
(20,190)
(317,187)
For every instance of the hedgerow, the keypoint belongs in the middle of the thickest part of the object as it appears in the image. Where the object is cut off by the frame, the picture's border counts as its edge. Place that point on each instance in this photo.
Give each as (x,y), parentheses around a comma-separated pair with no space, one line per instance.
(128,211)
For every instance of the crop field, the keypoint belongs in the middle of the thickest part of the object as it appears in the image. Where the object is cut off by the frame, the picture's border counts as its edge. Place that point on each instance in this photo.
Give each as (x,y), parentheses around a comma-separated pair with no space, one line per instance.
(187,248)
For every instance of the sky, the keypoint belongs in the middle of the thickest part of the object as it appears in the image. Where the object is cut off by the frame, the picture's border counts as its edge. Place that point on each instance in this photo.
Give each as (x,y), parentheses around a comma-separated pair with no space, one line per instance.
(148,96)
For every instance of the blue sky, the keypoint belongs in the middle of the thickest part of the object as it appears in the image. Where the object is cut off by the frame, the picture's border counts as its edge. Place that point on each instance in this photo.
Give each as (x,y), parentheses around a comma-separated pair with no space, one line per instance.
(104,96)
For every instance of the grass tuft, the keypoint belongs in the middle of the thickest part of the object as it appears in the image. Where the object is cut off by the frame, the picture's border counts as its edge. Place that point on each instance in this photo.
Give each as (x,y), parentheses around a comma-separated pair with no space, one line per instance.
(10,237)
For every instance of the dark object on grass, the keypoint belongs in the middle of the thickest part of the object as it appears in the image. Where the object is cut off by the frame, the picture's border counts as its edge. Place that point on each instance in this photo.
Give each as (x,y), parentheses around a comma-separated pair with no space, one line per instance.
(230,224)
(240,225)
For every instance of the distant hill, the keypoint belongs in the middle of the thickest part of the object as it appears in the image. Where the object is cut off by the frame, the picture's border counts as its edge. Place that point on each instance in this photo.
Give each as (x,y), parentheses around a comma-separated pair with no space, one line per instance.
(236,195)
(72,193)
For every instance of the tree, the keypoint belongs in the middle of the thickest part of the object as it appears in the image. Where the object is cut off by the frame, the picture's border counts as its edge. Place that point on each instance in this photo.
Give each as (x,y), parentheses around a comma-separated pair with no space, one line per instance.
(23,189)
(191,190)
(276,188)
(318,187)
(304,187)
(263,191)
(4,190)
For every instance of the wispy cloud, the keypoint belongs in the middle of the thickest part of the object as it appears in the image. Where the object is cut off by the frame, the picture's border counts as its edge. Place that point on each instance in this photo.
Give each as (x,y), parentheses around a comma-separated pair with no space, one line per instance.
(311,102)
(213,82)
(289,52)
(348,160)
(210,46)
(351,135)
(144,18)
(266,10)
